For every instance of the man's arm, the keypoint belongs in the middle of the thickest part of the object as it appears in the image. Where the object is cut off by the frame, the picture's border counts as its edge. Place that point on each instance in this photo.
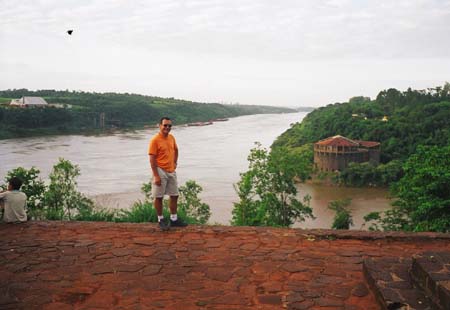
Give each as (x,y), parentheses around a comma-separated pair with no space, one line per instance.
(176,157)
(154,166)
(2,196)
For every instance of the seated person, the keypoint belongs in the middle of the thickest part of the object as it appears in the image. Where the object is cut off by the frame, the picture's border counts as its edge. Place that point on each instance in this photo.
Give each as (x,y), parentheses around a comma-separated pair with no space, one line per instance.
(14,202)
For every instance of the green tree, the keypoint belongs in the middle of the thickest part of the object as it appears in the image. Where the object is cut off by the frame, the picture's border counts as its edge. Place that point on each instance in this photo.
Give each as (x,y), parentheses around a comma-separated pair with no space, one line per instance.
(343,218)
(422,196)
(191,204)
(267,190)
(62,199)
(358,174)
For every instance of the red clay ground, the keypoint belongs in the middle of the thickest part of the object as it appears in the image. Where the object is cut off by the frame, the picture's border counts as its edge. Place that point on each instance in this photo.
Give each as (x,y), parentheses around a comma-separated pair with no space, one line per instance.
(86,265)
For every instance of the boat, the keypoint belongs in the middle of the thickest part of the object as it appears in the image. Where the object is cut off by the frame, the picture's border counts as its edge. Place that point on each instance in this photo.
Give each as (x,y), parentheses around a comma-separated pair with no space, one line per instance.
(200,123)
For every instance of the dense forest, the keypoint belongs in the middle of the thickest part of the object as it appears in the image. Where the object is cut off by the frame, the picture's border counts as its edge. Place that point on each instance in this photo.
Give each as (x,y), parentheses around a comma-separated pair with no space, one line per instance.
(400,121)
(85,111)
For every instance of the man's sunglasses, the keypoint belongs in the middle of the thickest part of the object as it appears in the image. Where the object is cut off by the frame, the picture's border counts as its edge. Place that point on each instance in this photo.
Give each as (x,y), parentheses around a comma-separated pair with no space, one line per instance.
(167,125)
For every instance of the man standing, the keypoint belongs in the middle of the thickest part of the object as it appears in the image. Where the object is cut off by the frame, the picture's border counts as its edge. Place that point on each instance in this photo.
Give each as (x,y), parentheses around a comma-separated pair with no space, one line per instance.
(163,151)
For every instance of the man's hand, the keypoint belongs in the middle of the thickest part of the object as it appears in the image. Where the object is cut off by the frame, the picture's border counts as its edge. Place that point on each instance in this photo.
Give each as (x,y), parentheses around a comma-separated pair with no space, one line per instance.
(157,180)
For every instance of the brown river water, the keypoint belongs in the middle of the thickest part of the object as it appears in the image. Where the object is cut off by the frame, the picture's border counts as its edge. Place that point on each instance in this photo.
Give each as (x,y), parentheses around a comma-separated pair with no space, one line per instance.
(113,167)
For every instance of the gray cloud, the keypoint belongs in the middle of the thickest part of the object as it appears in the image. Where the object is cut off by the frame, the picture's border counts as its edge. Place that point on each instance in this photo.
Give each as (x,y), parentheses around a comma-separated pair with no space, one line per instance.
(273,46)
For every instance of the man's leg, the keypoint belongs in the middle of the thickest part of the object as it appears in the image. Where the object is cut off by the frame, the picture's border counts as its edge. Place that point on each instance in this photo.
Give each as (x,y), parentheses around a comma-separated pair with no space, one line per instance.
(163,224)
(172,191)
(173,204)
(158,206)
(158,193)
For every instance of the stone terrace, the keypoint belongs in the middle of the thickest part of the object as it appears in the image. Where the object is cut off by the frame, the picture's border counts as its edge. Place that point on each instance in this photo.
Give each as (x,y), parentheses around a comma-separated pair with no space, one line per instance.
(86,265)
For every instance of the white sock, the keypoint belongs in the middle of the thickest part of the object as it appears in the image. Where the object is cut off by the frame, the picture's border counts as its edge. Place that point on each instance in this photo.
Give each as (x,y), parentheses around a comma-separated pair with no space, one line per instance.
(174,217)
(160,217)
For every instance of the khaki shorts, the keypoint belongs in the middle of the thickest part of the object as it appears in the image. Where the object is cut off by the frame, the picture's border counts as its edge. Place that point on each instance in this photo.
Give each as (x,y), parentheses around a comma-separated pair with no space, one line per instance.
(169,184)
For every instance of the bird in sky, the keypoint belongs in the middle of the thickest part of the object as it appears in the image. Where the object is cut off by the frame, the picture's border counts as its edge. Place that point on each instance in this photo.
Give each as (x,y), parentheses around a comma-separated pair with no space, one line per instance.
(70,32)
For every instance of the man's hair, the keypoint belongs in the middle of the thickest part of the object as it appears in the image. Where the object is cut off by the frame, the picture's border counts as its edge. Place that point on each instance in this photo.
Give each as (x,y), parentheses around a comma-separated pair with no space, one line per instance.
(164,118)
(16,183)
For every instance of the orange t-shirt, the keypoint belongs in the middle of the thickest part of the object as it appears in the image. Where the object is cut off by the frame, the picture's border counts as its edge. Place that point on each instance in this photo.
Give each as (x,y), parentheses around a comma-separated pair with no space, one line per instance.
(164,149)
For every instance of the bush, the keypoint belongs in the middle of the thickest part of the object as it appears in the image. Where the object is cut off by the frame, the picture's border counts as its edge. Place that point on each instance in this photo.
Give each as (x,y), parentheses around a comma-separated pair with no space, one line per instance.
(343,218)
(190,204)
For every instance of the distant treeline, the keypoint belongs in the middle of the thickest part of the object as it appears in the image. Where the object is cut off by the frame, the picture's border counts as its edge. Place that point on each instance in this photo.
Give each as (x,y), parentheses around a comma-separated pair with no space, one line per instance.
(86,111)
(411,118)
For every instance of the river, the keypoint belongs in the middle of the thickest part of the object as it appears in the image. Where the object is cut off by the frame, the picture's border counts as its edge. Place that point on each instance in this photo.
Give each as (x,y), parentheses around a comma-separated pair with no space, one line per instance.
(114,166)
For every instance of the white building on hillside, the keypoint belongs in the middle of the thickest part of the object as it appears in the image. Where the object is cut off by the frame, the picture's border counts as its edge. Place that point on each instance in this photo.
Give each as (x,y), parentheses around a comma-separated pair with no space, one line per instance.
(29,102)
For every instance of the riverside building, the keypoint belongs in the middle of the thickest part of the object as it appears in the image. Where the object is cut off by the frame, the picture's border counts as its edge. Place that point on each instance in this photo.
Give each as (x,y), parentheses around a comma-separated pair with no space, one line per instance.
(335,153)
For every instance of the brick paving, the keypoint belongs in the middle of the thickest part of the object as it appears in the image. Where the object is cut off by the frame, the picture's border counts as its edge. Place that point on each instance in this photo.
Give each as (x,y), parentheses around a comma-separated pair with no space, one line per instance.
(86,265)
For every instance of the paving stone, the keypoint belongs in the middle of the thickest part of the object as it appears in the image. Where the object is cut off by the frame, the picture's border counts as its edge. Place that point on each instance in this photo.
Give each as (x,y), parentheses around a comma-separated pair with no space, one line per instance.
(231,299)
(219,274)
(294,267)
(306,304)
(294,297)
(328,302)
(101,300)
(340,291)
(129,267)
(264,267)
(249,247)
(85,243)
(121,252)
(146,241)
(164,256)
(51,276)
(302,276)
(101,269)
(360,290)
(272,287)
(270,299)
(57,306)
(213,243)
(101,256)
(6,300)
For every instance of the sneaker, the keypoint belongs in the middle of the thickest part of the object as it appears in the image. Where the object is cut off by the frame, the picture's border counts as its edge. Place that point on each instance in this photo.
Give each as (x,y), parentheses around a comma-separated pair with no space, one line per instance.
(178,223)
(164,225)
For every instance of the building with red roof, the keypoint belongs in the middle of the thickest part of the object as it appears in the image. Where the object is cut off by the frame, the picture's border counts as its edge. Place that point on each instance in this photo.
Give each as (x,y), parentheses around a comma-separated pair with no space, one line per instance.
(335,153)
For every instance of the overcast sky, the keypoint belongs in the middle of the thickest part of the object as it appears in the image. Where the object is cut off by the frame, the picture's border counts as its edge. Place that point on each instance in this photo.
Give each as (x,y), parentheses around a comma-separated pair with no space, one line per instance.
(286,52)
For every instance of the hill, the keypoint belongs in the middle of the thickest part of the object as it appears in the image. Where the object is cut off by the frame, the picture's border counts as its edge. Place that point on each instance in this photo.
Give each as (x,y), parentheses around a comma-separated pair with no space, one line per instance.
(85,111)
(401,121)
